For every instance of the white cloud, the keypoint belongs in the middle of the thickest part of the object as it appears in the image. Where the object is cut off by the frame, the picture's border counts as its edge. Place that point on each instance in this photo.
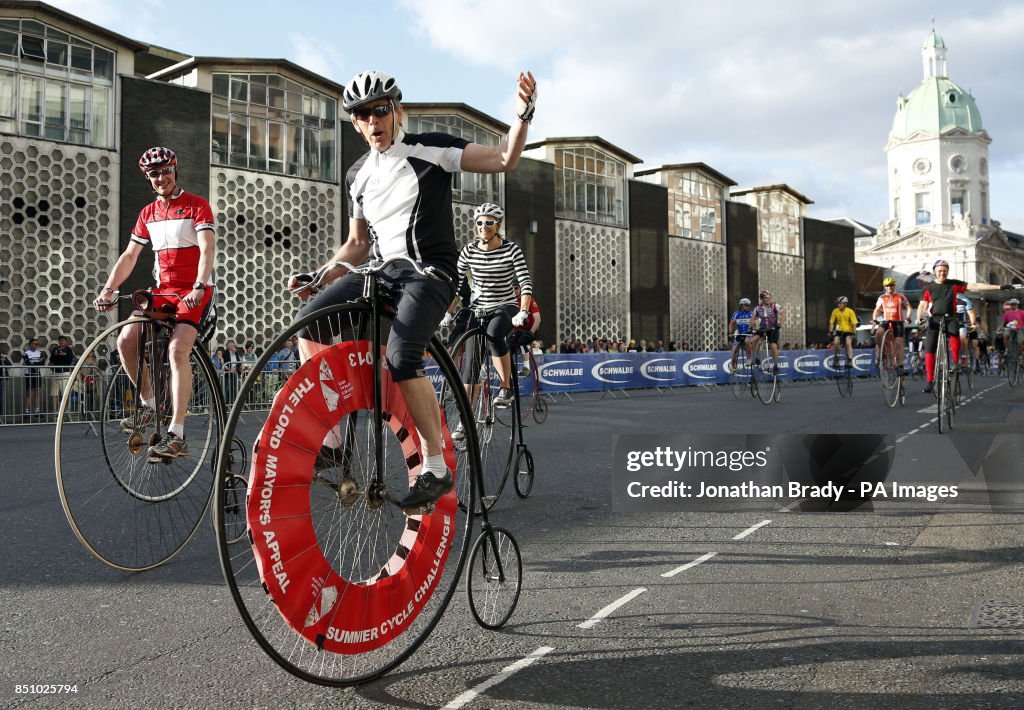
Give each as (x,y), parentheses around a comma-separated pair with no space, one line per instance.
(802,92)
(317,55)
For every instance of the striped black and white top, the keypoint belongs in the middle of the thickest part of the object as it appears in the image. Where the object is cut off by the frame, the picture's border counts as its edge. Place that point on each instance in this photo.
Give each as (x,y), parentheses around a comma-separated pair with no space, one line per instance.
(495,274)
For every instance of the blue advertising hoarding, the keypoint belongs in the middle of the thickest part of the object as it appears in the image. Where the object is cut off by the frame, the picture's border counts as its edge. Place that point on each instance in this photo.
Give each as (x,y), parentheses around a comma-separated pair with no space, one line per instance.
(589,372)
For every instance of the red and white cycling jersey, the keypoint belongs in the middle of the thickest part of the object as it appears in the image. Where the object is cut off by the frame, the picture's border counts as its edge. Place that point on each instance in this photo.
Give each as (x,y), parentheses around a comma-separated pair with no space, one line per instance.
(893,306)
(173,230)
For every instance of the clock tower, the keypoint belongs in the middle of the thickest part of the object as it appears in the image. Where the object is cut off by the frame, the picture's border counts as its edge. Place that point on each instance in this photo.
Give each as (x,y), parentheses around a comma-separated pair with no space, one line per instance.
(937,156)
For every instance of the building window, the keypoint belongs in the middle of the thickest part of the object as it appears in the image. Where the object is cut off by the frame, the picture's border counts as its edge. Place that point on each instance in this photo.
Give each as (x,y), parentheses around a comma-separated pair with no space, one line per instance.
(54,85)
(779,216)
(895,208)
(268,122)
(471,188)
(590,186)
(923,208)
(696,202)
(984,206)
(957,202)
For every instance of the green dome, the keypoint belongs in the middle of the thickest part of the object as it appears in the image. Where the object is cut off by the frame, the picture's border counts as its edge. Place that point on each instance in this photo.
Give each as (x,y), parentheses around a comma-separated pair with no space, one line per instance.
(933,41)
(937,106)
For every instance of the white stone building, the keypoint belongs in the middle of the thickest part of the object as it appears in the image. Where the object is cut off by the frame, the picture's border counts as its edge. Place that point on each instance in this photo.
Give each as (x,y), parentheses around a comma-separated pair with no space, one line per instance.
(939,187)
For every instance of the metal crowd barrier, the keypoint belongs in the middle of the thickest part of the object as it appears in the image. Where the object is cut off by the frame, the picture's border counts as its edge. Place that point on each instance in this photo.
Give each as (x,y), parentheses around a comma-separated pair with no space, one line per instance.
(33,395)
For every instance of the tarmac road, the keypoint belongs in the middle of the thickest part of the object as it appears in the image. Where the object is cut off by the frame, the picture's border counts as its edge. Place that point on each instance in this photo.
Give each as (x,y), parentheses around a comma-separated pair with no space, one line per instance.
(753,608)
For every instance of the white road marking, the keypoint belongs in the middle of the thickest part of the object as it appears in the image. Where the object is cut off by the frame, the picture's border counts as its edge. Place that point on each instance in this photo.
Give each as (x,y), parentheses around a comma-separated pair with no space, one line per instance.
(752,528)
(792,505)
(471,695)
(596,618)
(688,565)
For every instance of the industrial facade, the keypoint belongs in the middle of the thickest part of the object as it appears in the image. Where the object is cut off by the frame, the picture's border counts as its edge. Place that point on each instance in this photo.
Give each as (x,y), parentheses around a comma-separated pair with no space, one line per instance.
(661,253)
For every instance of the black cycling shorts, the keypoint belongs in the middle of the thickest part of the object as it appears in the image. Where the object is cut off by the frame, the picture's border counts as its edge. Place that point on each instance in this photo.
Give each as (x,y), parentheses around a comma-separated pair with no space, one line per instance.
(898,327)
(420,303)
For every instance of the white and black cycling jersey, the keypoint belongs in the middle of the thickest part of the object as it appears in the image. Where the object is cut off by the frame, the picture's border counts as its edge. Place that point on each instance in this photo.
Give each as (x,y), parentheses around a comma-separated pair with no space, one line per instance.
(495,274)
(405,196)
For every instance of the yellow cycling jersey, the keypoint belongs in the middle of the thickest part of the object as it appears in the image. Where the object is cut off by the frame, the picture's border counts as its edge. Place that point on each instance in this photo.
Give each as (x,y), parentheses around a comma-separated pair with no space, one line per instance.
(844,320)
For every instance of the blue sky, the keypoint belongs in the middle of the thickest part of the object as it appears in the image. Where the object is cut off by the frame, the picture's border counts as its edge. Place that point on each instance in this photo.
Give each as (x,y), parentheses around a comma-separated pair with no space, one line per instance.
(801,92)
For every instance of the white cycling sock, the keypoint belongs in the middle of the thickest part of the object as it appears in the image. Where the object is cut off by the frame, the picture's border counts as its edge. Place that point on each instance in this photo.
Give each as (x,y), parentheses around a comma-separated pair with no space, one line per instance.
(151,402)
(178,430)
(436,465)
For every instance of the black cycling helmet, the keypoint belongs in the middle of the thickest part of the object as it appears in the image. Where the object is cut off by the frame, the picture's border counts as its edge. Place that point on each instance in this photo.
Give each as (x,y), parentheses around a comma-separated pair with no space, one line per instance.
(369,86)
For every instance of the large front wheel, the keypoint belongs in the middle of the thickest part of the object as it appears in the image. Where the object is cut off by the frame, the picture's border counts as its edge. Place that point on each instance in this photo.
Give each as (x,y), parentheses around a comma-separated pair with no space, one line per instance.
(333,580)
(739,378)
(941,385)
(766,376)
(475,366)
(130,512)
(889,369)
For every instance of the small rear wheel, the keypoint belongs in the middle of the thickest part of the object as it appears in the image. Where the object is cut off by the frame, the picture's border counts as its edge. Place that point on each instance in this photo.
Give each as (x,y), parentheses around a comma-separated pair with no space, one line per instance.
(524,473)
(540,408)
(494,578)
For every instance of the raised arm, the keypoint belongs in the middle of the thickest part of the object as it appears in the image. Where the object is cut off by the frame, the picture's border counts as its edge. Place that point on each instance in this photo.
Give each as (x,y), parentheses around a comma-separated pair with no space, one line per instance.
(504,157)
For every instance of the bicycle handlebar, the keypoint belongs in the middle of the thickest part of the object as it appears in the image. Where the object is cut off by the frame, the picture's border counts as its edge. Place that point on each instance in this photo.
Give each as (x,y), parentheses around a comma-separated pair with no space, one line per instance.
(142,293)
(313,281)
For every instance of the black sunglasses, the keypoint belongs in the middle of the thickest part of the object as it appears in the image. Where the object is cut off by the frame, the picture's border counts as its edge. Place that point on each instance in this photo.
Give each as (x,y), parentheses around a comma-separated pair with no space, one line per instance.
(363,114)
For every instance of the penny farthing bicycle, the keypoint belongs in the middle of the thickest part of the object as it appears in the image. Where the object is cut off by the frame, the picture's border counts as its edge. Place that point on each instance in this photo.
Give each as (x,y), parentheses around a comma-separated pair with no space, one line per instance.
(131,510)
(334,581)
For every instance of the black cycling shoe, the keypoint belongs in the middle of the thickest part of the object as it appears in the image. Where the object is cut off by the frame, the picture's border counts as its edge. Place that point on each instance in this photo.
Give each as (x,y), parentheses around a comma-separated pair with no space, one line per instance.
(929,388)
(425,491)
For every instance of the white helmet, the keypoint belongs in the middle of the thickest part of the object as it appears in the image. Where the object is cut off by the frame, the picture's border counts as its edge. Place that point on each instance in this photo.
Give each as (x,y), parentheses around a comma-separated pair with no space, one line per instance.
(369,86)
(744,301)
(489,209)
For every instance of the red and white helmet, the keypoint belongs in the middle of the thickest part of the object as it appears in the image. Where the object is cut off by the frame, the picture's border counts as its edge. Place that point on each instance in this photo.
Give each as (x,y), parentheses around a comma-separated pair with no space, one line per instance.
(157,158)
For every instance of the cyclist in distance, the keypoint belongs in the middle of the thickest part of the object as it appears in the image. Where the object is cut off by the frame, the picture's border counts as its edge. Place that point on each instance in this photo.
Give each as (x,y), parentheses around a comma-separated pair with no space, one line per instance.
(497,265)
(179,227)
(842,324)
(400,204)
(968,318)
(1013,319)
(891,308)
(739,330)
(768,318)
(939,299)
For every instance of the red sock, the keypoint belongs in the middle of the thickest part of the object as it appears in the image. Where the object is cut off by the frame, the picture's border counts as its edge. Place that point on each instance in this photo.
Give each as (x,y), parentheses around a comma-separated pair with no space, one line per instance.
(929,366)
(954,348)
